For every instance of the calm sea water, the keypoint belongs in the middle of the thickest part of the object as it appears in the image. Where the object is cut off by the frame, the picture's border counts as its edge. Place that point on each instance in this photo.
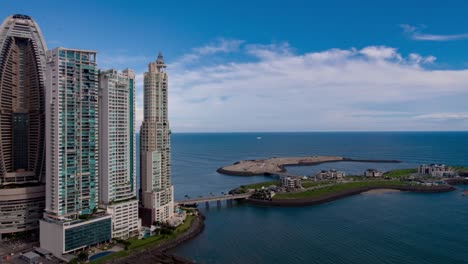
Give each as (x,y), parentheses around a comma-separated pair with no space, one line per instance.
(377,228)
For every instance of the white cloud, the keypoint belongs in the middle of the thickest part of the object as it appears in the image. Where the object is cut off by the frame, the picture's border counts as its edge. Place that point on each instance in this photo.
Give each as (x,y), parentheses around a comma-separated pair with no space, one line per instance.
(418,59)
(222,45)
(381,53)
(444,116)
(416,34)
(219,46)
(336,89)
(269,51)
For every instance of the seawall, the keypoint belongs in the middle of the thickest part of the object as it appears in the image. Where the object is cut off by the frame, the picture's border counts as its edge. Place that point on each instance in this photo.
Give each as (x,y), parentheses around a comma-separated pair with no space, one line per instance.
(457,181)
(158,253)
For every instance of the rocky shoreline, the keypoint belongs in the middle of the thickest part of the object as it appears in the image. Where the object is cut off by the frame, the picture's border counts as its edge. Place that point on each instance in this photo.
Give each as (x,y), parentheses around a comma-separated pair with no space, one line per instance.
(457,181)
(236,169)
(158,255)
(343,194)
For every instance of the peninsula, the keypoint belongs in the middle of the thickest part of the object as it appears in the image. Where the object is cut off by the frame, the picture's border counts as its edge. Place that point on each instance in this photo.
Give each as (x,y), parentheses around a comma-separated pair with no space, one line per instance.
(277,165)
(300,191)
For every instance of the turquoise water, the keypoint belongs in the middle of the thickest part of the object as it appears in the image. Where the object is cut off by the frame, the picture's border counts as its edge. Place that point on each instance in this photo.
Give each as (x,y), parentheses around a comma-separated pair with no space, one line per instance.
(377,228)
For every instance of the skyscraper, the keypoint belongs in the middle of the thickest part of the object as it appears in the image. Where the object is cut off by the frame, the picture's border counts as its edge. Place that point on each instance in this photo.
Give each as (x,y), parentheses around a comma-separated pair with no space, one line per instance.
(22,64)
(157,190)
(72,219)
(117,159)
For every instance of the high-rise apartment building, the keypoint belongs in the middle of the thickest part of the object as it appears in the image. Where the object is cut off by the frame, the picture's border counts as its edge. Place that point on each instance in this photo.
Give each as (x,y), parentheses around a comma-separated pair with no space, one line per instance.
(72,219)
(157,190)
(22,85)
(117,150)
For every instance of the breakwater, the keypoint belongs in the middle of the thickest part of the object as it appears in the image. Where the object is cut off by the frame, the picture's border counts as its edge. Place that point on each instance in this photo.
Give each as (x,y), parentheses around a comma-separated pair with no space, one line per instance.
(346,193)
(278,165)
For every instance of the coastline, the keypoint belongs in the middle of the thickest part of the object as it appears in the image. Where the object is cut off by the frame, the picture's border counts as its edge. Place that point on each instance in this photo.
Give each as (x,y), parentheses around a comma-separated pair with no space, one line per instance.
(158,254)
(456,181)
(290,162)
(343,194)
(381,191)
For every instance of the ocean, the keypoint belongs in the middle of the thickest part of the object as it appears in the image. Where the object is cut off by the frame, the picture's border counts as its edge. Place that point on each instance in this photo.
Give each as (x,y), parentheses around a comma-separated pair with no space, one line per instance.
(366,228)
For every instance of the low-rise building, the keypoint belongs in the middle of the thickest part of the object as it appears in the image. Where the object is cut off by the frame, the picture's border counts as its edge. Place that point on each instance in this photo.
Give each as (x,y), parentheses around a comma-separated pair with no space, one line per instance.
(263,194)
(291,182)
(373,173)
(330,174)
(436,170)
(65,236)
(30,257)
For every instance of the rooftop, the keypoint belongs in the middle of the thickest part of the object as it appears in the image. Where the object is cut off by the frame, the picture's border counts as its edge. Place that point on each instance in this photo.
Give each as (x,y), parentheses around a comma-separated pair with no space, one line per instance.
(20,16)
(160,59)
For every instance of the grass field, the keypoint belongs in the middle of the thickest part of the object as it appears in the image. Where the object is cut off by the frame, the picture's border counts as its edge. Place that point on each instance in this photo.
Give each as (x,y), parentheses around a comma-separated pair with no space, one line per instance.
(460,168)
(335,188)
(260,185)
(400,173)
(308,184)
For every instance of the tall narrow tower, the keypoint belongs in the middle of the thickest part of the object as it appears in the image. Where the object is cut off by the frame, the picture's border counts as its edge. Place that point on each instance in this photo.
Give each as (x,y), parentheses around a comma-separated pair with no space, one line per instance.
(157,190)
(22,85)
(117,183)
(72,219)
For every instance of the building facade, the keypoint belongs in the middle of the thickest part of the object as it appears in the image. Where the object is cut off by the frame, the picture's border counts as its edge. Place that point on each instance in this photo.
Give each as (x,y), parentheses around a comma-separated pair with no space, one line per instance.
(117,149)
(72,150)
(330,174)
(291,182)
(22,124)
(157,191)
(436,170)
(373,173)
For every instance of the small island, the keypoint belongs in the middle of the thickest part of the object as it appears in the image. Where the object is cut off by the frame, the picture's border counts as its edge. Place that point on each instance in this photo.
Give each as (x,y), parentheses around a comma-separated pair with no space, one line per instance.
(333,185)
(277,165)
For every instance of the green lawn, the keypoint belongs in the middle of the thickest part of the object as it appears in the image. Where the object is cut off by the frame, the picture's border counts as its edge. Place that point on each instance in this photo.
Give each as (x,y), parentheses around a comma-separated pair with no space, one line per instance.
(460,168)
(260,185)
(308,184)
(400,173)
(335,188)
(141,244)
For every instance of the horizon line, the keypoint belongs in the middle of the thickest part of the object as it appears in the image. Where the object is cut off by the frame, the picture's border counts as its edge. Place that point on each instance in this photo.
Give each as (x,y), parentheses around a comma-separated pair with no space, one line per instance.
(324,131)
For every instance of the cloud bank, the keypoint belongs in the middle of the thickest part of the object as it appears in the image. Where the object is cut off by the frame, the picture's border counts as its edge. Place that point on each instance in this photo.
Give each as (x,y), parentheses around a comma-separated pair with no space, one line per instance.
(273,88)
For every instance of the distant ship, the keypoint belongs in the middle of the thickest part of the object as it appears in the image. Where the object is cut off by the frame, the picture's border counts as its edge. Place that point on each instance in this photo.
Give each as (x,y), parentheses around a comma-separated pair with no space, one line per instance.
(259,138)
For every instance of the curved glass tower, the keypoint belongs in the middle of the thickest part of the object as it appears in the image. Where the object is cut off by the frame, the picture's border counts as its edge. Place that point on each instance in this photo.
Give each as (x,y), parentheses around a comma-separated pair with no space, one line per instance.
(22,84)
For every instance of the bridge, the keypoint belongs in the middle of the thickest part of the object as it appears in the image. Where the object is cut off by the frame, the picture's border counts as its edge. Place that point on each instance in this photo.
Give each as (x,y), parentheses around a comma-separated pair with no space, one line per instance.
(218,199)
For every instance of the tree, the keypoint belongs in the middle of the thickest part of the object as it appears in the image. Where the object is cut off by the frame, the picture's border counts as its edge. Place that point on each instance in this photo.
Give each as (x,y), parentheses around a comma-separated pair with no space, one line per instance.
(83,256)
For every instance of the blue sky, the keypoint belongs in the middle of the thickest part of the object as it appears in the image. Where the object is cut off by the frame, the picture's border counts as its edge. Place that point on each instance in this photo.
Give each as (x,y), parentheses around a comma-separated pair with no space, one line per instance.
(281,65)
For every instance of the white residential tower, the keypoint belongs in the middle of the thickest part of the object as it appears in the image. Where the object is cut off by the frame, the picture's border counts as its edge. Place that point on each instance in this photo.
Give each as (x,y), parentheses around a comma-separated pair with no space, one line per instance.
(117,160)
